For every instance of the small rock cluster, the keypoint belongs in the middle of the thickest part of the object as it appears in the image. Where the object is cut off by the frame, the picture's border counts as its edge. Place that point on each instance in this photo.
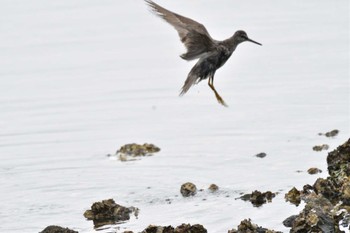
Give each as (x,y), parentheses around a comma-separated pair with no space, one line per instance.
(183,228)
(108,212)
(189,189)
(258,198)
(131,151)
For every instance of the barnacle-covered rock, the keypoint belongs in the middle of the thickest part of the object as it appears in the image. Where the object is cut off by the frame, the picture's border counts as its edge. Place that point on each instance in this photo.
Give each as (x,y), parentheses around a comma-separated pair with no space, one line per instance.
(317,216)
(109,212)
(188,189)
(328,200)
(133,150)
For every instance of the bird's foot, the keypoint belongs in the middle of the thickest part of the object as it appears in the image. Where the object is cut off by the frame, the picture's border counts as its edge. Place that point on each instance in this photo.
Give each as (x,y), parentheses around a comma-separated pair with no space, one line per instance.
(220,100)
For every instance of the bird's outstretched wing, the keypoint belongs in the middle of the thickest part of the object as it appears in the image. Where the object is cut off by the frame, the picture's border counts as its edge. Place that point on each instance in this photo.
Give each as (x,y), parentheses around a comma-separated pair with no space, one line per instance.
(193,34)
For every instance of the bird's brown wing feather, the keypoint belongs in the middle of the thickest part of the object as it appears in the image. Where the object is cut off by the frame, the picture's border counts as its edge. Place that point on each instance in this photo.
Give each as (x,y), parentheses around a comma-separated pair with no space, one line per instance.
(193,34)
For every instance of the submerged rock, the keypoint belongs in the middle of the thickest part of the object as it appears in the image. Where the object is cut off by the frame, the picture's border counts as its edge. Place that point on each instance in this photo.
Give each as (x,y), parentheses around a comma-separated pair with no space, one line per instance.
(332,133)
(188,189)
(314,170)
(131,151)
(246,226)
(261,155)
(320,147)
(258,198)
(57,229)
(108,212)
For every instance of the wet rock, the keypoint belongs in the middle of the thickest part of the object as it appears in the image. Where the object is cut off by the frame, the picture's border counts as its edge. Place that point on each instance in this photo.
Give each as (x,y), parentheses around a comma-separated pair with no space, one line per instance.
(258,198)
(320,147)
(57,229)
(109,212)
(187,228)
(158,229)
(293,196)
(188,189)
(314,170)
(131,151)
(246,226)
(332,133)
(213,188)
(261,155)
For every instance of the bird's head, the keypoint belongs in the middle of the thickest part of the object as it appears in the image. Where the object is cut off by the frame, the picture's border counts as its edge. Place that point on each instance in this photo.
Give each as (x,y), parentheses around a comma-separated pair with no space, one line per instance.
(242,36)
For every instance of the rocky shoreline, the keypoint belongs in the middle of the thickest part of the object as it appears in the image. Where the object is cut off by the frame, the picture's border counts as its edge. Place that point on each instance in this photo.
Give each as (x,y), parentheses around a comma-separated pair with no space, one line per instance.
(327,201)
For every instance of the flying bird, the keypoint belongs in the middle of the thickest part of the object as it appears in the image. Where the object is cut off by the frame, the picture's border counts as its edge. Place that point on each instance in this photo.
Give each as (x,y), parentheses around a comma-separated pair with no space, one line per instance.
(212,54)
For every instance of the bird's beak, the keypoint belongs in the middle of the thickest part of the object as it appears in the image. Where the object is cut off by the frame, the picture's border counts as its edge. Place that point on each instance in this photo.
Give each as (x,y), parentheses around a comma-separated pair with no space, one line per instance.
(253,41)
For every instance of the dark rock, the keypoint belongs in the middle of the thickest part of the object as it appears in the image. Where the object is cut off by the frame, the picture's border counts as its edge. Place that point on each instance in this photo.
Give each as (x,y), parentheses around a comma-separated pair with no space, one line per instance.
(314,170)
(188,189)
(258,198)
(293,196)
(246,226)
(320,147)
(130,151)
(261,155)
(108,212)
(57,229)
(332,133)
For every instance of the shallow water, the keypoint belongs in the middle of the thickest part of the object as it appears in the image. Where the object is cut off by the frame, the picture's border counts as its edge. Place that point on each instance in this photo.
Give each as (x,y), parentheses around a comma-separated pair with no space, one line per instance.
(80,79)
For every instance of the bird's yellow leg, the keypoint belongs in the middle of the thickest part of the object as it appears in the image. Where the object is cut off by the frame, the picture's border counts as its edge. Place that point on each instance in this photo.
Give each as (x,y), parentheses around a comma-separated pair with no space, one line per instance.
(218,97)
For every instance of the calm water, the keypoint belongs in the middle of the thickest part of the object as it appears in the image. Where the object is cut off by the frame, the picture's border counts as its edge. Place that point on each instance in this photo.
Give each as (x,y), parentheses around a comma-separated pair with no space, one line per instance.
(79,79)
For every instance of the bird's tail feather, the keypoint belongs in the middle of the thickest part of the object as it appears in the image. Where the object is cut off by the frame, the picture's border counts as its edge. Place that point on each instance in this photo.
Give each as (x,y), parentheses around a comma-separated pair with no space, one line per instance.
(190,81)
